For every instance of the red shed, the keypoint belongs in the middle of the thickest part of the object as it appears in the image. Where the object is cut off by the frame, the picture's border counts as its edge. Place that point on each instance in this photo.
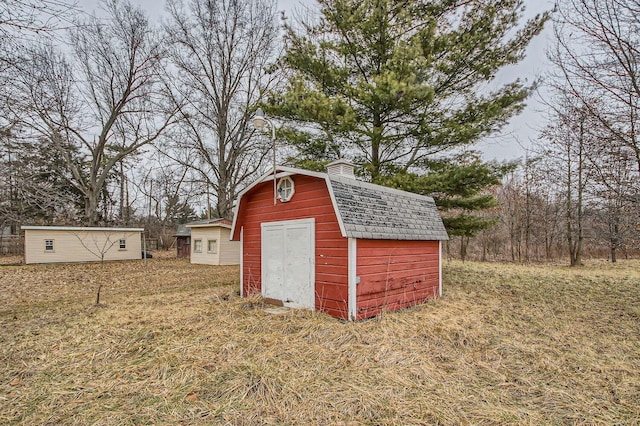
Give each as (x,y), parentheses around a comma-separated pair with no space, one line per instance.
(328,242)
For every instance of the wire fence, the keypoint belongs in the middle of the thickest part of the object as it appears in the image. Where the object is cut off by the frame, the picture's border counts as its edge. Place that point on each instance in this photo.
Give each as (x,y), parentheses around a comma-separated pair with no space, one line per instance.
(11,245)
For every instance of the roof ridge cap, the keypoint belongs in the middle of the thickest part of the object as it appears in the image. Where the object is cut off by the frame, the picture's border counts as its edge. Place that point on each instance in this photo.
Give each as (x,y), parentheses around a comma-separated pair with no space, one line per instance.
(374,186)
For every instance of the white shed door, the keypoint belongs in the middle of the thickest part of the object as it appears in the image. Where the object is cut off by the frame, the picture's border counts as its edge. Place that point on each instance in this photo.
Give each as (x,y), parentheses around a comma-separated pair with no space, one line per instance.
(288,262)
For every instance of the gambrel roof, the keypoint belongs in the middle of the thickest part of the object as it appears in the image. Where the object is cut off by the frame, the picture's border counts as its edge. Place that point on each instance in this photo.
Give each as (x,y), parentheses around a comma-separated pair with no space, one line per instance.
(376,212)
(368,211)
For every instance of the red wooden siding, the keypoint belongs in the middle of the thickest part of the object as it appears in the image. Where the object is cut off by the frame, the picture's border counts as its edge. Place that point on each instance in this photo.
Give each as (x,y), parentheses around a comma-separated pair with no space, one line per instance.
(395,274)
(311,199)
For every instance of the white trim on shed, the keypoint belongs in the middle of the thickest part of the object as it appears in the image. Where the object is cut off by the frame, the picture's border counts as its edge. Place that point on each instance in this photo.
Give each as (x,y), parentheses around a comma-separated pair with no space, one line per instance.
(79,228)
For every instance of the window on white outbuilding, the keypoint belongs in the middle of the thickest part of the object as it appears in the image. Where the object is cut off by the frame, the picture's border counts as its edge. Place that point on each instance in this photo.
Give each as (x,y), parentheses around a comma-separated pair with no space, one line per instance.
(285,189)
(123,244)
(212,246)
(48,245)
(197,246)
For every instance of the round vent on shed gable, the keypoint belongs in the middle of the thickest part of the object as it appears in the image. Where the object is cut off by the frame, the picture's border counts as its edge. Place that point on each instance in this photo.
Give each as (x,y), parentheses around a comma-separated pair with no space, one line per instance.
(285,189)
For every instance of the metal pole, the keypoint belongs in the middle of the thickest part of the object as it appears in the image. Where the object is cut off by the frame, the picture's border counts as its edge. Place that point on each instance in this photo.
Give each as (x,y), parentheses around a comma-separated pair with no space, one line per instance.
(144,244)
(208,203)
(259,122)
(273,141)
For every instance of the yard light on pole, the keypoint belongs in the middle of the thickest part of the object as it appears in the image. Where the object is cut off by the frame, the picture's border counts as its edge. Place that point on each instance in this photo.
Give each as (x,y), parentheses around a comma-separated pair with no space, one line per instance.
(259,122)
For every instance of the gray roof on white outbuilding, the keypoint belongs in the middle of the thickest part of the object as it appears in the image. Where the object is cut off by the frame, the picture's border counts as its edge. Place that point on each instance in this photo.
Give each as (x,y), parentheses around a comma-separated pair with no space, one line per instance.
(368,211)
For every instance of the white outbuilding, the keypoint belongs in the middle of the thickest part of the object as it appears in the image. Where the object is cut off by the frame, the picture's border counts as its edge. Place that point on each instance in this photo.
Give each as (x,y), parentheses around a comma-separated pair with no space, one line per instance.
(69,244)
(210,243)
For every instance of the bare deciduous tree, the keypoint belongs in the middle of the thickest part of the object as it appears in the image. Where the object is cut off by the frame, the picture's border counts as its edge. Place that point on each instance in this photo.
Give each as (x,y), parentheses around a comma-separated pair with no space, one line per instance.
(100,244)
(18,17)
(22,22)
(101,103)
(614,198)
(167,191)
(568,138)
(597,57)
(597,63)
(222,51)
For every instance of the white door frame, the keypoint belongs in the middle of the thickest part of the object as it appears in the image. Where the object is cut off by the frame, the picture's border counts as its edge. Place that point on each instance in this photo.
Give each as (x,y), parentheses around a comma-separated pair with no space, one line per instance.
(312,246)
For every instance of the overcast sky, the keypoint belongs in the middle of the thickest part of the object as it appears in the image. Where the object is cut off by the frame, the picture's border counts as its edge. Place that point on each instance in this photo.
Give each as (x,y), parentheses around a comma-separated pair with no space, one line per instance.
(523,128)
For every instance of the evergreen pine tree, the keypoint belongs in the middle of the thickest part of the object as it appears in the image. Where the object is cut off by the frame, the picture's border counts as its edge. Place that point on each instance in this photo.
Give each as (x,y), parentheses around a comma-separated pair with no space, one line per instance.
(401,88)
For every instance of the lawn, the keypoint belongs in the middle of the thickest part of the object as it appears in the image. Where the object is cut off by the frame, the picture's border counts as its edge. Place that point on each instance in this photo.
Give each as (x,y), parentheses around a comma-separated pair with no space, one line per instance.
(172,343)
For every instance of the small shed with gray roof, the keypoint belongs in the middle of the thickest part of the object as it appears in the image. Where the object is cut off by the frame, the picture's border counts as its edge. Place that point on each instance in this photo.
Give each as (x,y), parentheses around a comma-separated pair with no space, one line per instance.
(329,242)
(183,241)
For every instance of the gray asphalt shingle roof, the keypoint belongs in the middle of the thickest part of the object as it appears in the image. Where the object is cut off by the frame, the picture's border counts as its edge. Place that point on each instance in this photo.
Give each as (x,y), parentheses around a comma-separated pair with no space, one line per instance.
(182,231)
(376,212)
(225,223)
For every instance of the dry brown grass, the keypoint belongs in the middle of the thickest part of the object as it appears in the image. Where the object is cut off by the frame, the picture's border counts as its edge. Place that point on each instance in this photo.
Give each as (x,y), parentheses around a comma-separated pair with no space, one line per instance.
(10,260)
(174,344)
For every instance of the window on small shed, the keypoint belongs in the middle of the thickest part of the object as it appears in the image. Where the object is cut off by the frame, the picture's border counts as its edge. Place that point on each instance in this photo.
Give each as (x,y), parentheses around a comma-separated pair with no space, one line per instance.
(123,244)
(197,246)
(212,246)
(48,245)
(285,189)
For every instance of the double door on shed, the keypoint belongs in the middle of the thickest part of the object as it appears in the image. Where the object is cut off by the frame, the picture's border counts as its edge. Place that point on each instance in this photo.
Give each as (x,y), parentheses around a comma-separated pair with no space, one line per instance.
(288,262)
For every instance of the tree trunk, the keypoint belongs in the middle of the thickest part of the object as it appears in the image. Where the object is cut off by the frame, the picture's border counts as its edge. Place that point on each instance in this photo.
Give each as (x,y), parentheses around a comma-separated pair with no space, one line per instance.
(223,206)
(91,207)
(484,246)
(375,145)
(572,254)
(578,254)
(614,242)
(464,242)
(122,184)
